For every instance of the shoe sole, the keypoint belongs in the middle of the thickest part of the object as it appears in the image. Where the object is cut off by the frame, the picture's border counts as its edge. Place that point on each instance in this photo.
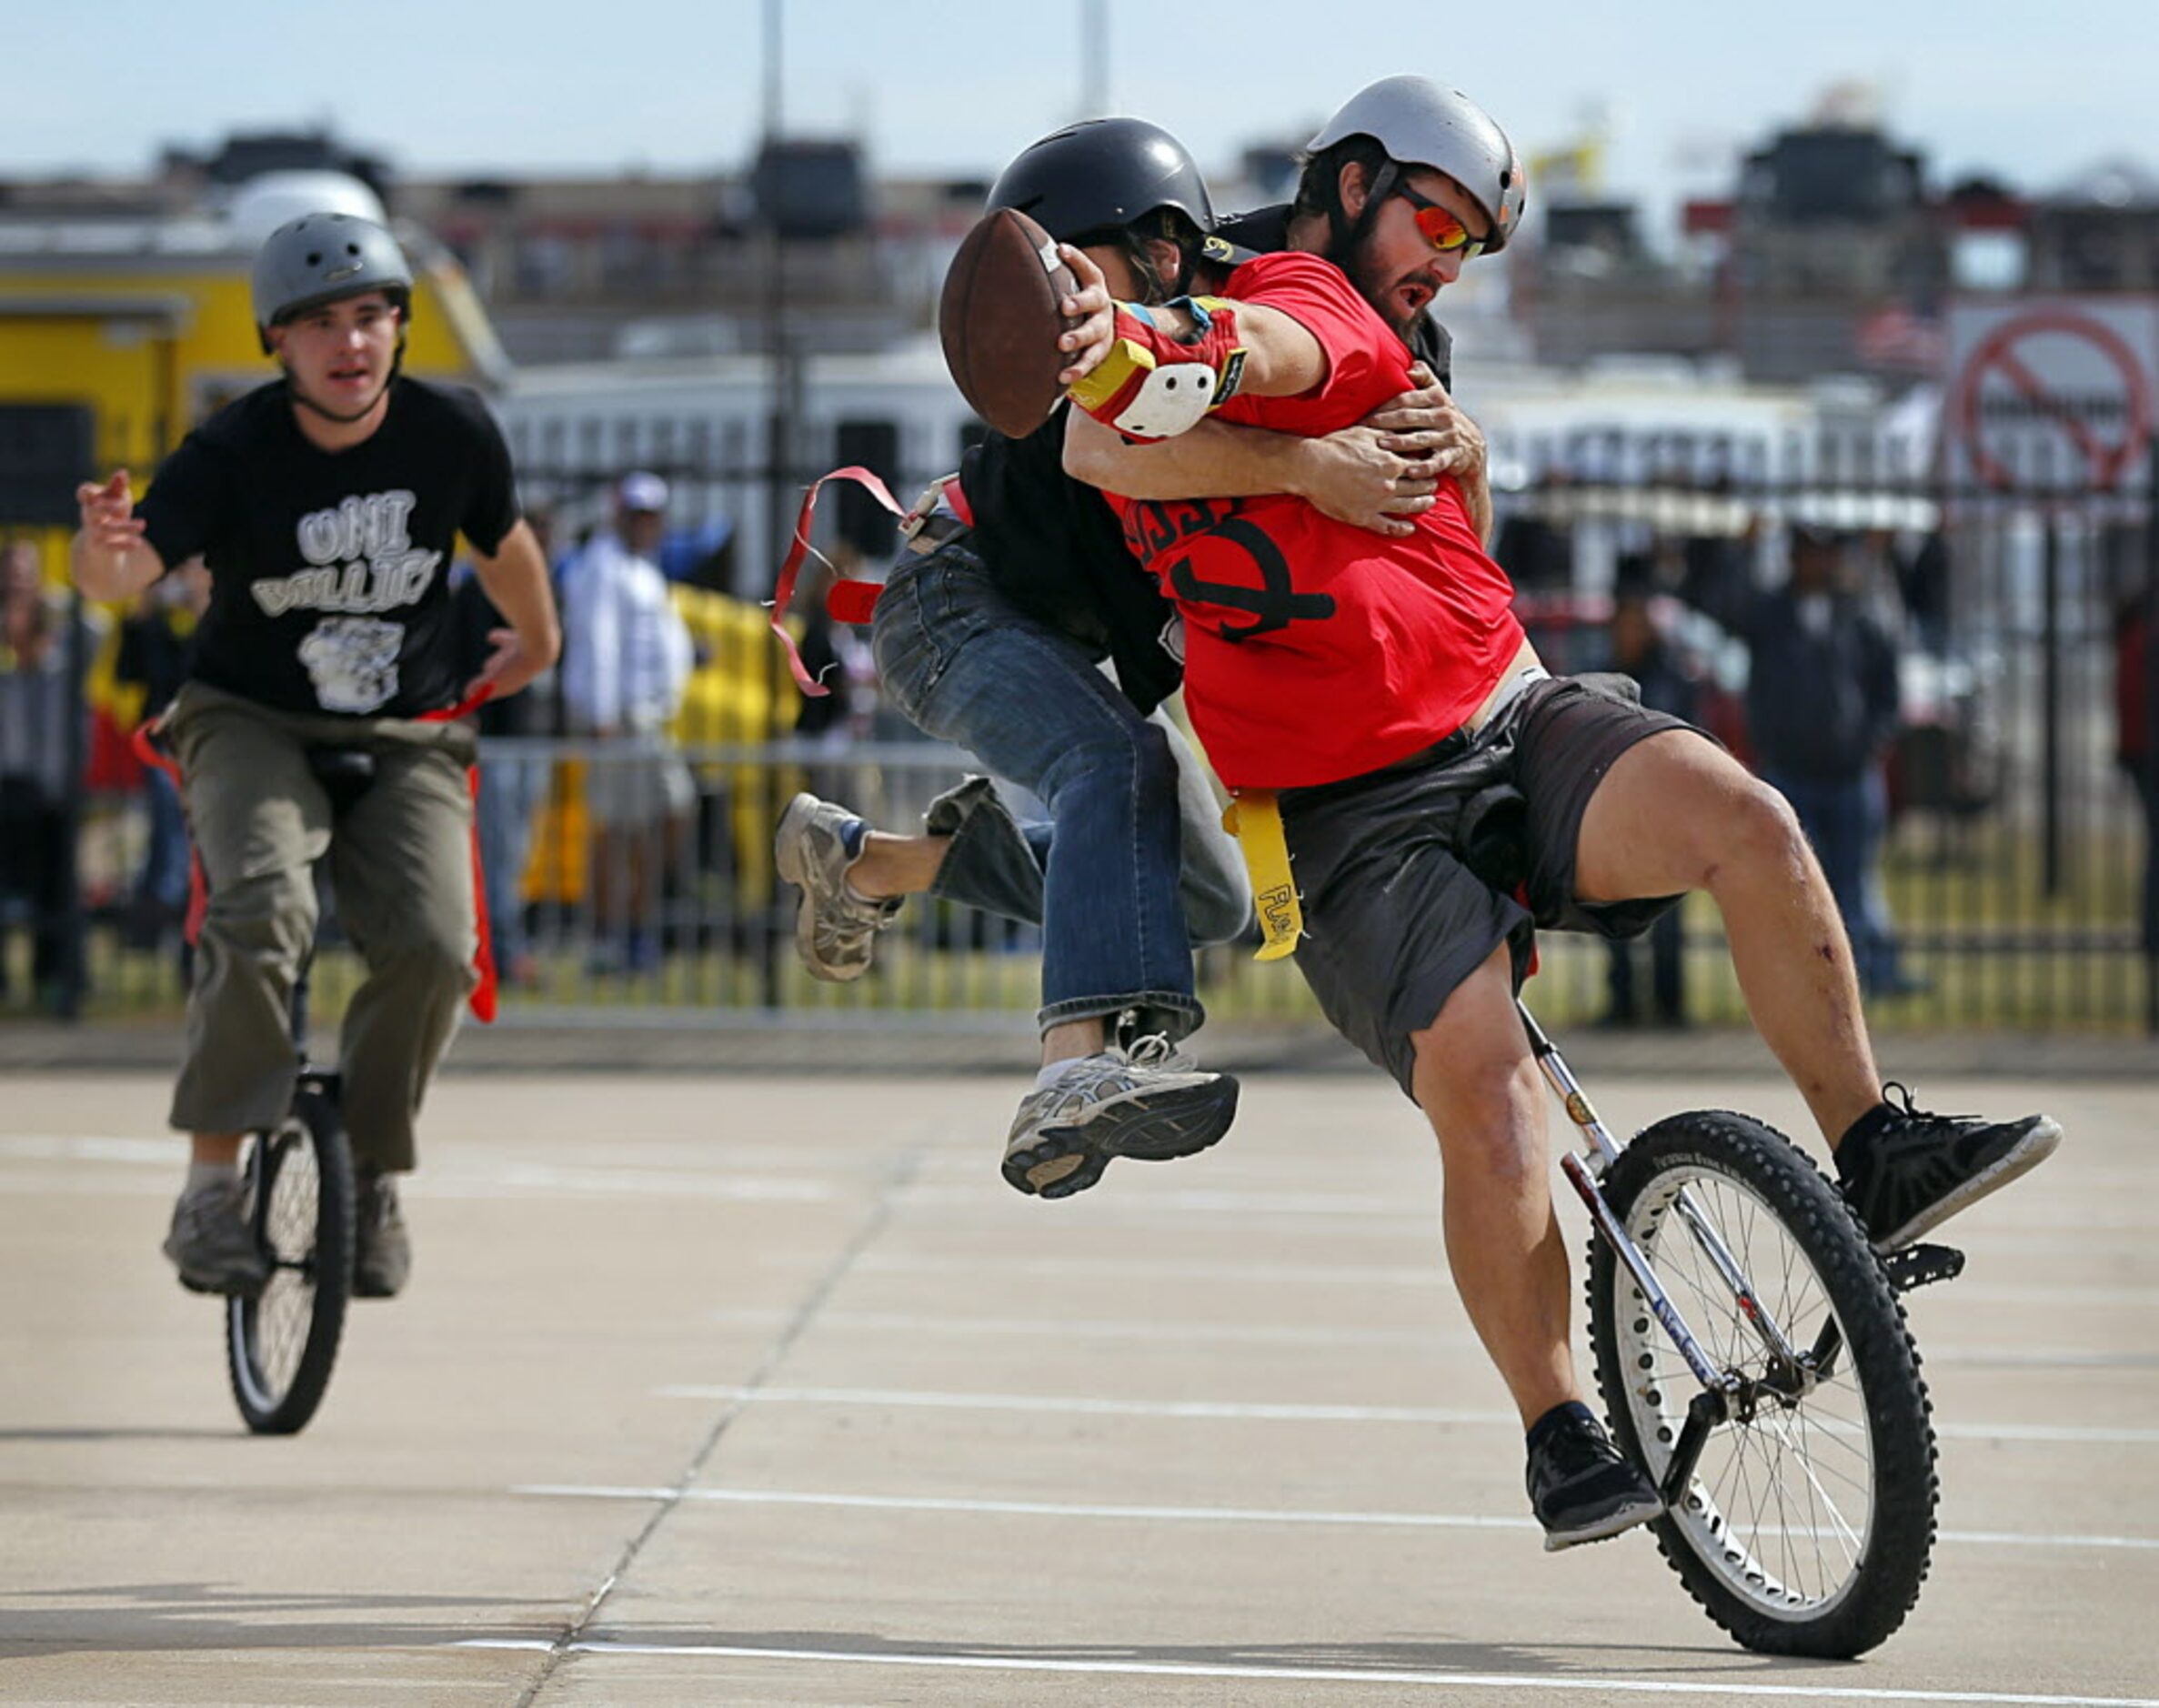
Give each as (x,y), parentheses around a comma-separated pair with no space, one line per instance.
(787,844)
(224,1287)
(1604,1529)
(2017,1162)
(1086,1148)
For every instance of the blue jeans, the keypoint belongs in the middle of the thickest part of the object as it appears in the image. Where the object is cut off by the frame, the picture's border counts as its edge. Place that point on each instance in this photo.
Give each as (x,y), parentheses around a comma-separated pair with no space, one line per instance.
(1143,870)
(1845,821)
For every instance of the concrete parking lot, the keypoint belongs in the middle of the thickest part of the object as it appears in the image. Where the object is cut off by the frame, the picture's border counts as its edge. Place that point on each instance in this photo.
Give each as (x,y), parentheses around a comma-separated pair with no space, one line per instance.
(735,1390)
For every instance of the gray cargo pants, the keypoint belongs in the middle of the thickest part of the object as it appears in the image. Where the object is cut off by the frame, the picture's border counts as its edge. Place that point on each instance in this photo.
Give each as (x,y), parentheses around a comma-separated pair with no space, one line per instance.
(401,865)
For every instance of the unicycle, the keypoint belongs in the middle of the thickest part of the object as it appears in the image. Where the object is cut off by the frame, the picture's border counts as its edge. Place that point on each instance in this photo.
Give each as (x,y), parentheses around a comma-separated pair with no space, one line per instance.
(281,1343)
(1754,1360)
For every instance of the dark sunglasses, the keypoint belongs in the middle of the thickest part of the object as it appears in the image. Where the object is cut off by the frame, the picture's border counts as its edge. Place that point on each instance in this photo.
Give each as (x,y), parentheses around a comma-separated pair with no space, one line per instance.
(1441,229)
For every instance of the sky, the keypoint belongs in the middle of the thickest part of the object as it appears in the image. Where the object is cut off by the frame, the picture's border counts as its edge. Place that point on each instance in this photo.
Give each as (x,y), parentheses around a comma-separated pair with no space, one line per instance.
(2033,95)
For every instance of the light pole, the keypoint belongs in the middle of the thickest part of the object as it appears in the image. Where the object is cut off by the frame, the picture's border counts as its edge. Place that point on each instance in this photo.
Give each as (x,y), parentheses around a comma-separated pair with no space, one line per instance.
(1094,58)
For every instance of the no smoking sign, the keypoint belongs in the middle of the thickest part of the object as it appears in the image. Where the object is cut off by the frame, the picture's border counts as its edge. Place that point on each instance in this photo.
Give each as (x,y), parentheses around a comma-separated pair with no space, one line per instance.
(2053,394)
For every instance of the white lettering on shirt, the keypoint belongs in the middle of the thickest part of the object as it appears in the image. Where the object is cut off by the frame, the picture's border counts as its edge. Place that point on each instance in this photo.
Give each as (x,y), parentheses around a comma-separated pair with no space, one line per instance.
(363,561)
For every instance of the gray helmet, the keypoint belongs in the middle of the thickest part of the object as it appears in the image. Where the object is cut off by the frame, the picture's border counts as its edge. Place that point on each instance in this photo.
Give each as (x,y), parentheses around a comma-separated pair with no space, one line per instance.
(1420,123)
(321,258)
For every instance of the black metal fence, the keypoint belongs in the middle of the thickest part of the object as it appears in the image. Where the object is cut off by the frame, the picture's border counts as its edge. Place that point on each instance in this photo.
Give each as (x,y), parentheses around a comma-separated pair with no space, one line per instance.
(2014,865)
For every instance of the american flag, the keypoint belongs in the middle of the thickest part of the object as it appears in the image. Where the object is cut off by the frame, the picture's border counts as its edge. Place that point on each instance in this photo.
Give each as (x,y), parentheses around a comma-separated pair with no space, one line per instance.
(1898,340)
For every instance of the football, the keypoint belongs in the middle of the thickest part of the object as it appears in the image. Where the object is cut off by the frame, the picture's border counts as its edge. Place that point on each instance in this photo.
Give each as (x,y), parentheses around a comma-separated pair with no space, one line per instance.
(999,321)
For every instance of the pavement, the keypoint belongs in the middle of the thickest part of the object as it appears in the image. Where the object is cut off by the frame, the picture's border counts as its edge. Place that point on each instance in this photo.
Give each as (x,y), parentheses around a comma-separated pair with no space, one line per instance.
(764,1389)
(718,1040)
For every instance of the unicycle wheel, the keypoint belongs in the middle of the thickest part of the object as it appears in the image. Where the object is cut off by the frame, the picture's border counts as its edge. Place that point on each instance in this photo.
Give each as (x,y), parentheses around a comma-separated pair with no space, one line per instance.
(281,1344)
(1808,1521)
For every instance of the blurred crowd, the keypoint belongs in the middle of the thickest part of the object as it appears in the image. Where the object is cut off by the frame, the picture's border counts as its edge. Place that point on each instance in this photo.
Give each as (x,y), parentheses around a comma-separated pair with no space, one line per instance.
(601,807)
(1823,656)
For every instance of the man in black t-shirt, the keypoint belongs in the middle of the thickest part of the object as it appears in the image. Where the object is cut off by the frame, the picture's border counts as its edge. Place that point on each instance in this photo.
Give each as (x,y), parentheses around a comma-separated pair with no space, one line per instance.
(326,505)
(991,637)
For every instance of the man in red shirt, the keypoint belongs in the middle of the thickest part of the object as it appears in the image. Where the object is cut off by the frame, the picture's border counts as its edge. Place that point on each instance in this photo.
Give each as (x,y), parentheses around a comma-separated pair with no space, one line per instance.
(1386,690)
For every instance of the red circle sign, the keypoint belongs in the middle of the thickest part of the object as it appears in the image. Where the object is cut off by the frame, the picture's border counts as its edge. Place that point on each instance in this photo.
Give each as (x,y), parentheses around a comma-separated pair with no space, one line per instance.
(2106,426)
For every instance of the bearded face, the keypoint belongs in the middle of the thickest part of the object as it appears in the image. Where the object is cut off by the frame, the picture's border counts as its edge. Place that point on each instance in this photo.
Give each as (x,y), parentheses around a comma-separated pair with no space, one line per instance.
(1395,267)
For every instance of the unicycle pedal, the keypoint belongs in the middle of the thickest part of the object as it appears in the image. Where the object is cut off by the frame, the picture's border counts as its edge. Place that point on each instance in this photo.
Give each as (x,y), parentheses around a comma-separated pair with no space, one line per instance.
(1922,1265)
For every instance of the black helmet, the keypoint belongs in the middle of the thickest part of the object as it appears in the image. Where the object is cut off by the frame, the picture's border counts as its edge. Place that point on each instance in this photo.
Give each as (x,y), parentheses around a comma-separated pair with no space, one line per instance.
(1421,123)
(321,258)
(1104,175)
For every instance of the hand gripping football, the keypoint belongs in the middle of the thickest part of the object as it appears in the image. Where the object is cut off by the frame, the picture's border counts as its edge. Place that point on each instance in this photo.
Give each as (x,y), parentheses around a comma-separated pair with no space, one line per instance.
(999,321)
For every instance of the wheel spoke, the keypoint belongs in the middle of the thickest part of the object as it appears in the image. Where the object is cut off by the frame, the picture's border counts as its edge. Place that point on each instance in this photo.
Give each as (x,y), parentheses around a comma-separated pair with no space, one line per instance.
(1785,1493)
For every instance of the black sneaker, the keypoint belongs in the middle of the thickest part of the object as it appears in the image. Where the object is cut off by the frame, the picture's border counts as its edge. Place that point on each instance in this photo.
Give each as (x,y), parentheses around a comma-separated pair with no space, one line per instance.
(382,1248)
(1904,1171)
(1580,1488)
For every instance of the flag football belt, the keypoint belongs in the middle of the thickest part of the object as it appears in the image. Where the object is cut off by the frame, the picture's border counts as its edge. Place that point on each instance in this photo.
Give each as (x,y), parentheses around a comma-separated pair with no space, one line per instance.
(152,748)
(940,514)
(1154,384)
(1255,818)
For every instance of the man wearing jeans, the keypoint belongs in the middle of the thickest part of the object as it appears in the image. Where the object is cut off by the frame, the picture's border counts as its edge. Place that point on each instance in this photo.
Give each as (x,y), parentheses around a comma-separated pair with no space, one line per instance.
(991,639)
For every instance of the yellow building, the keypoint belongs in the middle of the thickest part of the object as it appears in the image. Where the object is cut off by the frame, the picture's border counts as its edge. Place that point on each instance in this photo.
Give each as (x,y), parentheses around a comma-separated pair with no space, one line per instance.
(147,328)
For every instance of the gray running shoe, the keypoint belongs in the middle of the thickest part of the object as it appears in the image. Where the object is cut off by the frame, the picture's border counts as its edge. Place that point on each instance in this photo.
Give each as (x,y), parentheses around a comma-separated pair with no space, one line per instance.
(382,1248)
(835,928)
(1149,1102)
(212,1243)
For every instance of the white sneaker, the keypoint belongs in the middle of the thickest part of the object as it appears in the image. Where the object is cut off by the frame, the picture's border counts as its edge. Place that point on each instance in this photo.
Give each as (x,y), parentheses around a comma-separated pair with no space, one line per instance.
(834,928)
(1151,1103)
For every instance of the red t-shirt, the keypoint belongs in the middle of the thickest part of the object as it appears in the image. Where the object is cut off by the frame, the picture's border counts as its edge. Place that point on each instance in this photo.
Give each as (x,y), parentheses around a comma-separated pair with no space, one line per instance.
(1315,650)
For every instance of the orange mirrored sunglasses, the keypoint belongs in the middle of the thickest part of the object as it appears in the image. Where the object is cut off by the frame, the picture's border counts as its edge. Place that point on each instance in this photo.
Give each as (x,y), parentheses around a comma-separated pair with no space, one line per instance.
(1441,229)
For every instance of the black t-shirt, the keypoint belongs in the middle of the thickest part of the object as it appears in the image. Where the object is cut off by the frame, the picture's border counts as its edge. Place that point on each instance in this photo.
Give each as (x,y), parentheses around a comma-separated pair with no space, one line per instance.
(329,570)
(1055,548)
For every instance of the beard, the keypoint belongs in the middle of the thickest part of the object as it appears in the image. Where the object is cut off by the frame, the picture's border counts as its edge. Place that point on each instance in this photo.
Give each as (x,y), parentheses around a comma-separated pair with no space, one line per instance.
(1377,290)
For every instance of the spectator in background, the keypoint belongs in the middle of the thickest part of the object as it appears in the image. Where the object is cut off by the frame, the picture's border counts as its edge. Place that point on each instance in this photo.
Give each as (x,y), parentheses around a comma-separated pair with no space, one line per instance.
(2135,715)
(512,782)
(627,656)
(41,758)
(1535,544)
(1822,708)
(1920,562)
(1640,650)
(156,647)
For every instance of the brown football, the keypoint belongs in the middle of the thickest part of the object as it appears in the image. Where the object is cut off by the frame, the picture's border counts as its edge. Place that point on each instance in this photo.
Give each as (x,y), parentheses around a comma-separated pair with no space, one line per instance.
(999,321)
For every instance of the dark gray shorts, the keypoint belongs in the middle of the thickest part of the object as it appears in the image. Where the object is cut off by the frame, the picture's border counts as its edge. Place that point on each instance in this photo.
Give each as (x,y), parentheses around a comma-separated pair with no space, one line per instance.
(1395,920)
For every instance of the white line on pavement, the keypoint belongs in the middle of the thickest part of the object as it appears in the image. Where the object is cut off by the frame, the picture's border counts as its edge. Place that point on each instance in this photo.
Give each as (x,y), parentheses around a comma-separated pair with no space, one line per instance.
(1072,1404)
(1206,1514)
(1133,1329)
(1317,1675)
(1156,1328)
(990,1266)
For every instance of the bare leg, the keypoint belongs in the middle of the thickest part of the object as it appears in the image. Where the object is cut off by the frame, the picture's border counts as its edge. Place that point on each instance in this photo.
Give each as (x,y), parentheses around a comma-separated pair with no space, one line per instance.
(1070,1040)
(896,865)
(1479,1087)
(1677,813)
(215,1147)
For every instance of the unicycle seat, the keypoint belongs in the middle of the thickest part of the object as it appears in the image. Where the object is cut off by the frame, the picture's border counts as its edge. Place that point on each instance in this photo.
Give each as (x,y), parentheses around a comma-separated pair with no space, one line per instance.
(343,773)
